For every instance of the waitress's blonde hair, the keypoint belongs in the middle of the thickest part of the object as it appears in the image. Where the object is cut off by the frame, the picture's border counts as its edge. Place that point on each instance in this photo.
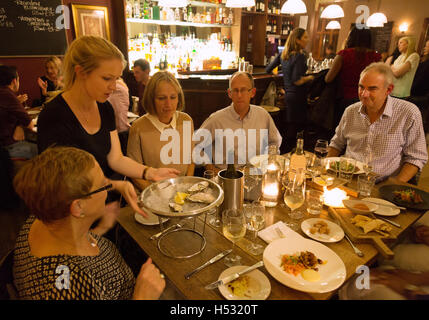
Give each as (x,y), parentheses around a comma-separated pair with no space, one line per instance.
(411,45)
(88,52)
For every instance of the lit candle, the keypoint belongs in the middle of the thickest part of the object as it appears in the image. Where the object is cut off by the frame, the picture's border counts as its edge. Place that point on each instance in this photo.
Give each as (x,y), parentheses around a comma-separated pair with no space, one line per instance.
(334,197)
(271,191)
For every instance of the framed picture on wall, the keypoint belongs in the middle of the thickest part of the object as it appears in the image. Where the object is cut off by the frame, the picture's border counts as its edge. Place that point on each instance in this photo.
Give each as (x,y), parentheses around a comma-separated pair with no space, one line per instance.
(91,21)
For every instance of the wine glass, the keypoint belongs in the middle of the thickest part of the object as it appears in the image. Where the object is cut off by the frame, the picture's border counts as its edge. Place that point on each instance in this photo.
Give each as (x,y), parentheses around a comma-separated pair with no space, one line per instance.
(294,197)
(257,222)
(234,228)
(314,166)
(214,219)
(368,157)
(321,148)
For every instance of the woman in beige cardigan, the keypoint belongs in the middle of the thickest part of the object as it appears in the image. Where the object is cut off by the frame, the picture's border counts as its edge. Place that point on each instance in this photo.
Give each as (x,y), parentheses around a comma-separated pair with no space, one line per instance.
(161,137)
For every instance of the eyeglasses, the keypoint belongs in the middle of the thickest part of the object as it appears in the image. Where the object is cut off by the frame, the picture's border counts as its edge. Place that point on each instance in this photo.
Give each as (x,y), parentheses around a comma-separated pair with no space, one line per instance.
(107,187)
(241,91)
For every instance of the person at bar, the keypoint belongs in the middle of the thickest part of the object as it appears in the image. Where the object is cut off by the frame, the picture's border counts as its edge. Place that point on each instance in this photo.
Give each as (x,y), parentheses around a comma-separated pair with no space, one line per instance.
(138,81)
(80,116)
(13,117)
(163,101)
(294,66)
(404,68)
(420,87)
(52,80)
(348,64)
(242,118)
(392,128)
(57,256)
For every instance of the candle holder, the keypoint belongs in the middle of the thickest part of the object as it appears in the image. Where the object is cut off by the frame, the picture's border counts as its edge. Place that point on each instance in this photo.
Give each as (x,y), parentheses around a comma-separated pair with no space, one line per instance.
(271,179)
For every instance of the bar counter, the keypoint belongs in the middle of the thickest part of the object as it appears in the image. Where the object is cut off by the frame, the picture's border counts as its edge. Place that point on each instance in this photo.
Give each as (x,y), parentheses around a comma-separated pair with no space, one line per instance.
(205,94)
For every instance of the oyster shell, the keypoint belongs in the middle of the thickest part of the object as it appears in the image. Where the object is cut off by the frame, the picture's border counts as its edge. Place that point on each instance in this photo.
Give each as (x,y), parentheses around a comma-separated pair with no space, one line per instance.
(200,186)
(176,207)
(201,197)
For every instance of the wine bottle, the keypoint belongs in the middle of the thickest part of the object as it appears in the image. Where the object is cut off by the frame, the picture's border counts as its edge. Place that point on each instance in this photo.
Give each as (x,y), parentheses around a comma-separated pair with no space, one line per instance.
(297,158)
(231,173)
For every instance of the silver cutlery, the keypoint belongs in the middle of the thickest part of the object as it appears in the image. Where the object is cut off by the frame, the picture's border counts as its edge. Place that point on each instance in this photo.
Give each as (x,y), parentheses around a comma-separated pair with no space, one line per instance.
(357,251)
(385,205)
(233,276)
(279,233)
(390,221)
(156,236)
(211,261)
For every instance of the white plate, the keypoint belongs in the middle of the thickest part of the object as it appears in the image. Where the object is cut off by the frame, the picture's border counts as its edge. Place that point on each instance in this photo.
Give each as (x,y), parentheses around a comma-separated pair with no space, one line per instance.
(132,115)
(336,233)
(151,220)
(259,285)
(359,164)
(258,161)
(384,211)
(351,203)
(332,274)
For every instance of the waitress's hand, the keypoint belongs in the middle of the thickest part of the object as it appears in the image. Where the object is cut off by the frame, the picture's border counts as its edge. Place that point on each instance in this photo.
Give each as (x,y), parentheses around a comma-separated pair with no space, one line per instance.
(43,85)
(129,193)
(154,174)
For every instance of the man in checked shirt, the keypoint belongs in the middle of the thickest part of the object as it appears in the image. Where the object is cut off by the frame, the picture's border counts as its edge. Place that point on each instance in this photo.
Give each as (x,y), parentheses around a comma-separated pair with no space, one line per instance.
(390,128)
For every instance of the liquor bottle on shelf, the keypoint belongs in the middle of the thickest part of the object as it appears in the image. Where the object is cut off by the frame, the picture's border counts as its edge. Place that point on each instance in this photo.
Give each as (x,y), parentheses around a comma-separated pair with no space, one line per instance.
(268,26)
(262,4)
(155,12)
(177,14)
(190,14)
(136,9)
(129,9)
(274,28)
(185,14)
(230,17)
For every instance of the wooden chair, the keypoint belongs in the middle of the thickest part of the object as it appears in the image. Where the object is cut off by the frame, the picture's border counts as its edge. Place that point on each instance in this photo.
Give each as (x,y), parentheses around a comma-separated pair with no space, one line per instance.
(8,290)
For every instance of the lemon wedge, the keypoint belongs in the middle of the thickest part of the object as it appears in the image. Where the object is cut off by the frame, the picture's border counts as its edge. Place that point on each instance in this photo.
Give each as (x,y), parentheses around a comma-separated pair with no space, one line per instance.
(320,181)
(180,197)
(310,275)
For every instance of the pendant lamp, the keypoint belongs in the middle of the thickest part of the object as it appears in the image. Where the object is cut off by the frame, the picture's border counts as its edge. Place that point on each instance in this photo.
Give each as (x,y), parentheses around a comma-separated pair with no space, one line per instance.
(332,25)
(240,3)
(375,20)
(293,7)
(333,11)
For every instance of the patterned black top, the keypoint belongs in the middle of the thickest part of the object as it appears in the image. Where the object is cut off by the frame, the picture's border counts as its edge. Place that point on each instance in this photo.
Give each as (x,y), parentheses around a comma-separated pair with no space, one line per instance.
(65,277)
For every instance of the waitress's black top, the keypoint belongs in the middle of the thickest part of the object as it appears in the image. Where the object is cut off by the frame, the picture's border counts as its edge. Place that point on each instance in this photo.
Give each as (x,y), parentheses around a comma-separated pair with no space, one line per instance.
(57,125)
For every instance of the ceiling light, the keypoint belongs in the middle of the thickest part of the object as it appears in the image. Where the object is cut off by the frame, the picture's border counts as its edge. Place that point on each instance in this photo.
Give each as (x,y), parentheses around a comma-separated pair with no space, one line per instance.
(332,11)
(293,7)
(403,27)
(334,24)
(376,20)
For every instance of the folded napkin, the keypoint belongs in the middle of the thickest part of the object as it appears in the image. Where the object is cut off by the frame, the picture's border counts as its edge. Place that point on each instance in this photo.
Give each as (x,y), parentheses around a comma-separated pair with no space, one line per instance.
(270,234)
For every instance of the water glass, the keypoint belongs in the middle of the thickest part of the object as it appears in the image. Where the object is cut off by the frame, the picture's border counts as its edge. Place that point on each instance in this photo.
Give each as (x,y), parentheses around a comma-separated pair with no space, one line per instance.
(347,168)
(365,184)
(314,201)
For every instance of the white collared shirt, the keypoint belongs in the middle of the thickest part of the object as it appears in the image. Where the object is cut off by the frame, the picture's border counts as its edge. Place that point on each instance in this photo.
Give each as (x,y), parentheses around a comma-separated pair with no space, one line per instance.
(162,126)
(397,137)
(257,118)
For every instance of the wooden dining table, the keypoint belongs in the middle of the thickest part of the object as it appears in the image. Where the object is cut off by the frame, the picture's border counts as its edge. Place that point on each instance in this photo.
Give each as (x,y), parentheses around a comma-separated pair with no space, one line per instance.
(193,288)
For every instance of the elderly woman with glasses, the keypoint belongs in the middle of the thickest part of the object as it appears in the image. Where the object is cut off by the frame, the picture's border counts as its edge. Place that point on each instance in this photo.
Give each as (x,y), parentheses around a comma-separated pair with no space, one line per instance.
(57,256)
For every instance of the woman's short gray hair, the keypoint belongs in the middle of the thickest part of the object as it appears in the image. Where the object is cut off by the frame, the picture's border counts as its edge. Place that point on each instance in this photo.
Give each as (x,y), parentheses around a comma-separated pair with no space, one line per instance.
(381,68)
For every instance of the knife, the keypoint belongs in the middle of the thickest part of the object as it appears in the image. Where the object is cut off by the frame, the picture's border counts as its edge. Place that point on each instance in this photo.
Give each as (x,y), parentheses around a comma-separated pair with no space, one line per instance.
(390,221)
(233,276)
(211,261)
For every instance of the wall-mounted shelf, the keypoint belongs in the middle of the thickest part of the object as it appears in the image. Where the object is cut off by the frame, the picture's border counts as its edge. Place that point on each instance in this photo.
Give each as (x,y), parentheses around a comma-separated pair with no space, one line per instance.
(177,23)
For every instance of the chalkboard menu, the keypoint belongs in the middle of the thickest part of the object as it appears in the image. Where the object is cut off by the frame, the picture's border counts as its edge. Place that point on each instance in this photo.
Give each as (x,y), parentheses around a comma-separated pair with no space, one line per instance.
(381,37)
(29,28)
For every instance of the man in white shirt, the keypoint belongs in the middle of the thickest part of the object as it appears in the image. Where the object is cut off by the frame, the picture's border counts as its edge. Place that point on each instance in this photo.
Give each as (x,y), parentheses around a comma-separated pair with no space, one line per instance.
(250,127)
(391,128)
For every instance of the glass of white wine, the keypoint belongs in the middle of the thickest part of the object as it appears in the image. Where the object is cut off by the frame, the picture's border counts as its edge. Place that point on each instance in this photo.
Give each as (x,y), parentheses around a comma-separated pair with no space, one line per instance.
(257,222)
(234,228)
(294,197)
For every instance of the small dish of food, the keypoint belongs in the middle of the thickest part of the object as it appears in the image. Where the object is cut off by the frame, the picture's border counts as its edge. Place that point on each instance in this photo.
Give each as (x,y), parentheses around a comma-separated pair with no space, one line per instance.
(359,206)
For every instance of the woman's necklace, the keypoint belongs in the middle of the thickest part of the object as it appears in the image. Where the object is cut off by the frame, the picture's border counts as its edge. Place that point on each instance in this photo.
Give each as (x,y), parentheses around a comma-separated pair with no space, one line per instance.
(92,241)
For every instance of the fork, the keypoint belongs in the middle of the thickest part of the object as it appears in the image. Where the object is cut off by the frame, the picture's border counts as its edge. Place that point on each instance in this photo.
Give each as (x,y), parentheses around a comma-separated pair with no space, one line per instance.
(159,234)
(357,251)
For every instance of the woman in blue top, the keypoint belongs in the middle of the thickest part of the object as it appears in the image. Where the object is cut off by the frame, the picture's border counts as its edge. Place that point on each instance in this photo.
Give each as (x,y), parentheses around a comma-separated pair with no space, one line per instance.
(294,66)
